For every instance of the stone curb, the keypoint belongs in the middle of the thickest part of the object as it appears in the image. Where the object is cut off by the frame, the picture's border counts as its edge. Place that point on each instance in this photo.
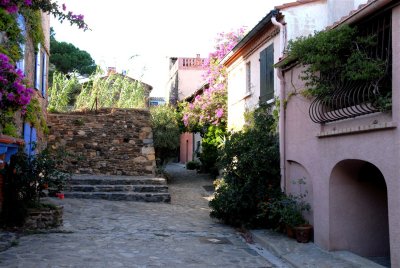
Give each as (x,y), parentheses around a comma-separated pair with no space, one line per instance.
(307,255)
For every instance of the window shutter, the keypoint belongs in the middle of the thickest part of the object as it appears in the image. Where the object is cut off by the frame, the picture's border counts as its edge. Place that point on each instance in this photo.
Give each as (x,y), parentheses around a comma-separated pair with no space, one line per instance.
(27,138)
(267,74)
(21,63)
(38,77)
(33,141)
(44,72)
(270,72)
(263,77)
(30,138)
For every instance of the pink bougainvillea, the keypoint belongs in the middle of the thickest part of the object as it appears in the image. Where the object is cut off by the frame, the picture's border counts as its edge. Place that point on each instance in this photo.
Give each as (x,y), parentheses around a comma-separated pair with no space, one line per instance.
(14,95)
(210,108)
(13,6)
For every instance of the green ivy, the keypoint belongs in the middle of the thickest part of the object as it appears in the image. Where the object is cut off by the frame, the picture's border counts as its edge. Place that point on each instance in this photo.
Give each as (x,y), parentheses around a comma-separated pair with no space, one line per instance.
(33,22)
(10,44)
(334,56)
(34,115)
(10,129)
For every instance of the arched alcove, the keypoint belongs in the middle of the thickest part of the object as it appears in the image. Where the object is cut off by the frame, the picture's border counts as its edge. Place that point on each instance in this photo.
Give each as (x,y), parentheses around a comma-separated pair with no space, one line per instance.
(358,209)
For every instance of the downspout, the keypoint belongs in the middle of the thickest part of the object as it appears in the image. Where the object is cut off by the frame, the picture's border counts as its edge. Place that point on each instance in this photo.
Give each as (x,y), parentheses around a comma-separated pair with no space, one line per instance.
(282,151)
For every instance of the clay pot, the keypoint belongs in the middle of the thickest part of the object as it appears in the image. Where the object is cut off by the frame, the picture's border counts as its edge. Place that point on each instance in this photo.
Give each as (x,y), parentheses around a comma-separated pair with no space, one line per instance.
(303,233)
(290,232)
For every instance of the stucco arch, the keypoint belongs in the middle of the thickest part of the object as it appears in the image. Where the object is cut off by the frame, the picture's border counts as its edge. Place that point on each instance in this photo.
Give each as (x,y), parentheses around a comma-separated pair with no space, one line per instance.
(358,209)
(296,171)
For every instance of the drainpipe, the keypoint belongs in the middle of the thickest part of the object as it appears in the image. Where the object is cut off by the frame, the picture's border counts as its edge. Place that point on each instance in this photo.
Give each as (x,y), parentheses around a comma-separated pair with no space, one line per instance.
(282,151)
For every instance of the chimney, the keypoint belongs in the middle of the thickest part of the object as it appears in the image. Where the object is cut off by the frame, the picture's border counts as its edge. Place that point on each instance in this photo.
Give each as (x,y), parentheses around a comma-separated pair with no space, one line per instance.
(111,71)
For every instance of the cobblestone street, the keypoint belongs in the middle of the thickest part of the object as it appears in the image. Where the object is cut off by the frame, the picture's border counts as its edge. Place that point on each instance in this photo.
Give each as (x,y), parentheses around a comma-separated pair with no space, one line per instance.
(98,233)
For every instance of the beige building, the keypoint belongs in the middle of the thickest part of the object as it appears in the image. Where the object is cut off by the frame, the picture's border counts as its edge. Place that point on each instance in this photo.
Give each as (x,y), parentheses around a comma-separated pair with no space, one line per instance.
(252,77)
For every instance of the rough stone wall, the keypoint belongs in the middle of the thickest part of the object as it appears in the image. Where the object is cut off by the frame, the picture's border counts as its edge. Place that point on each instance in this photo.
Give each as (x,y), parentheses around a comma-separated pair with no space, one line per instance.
(111,141)
(44,218)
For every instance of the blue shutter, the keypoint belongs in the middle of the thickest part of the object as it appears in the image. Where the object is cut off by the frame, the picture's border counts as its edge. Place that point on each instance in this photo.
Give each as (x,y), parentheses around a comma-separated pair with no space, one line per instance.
(33,141)
(27,138)
(38,75)
(21,24)
(44,80)
(30,138)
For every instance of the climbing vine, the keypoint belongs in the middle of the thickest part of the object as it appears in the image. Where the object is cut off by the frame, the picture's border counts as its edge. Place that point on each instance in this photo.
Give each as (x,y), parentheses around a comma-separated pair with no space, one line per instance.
(15,94)
(210,108)
(334,56)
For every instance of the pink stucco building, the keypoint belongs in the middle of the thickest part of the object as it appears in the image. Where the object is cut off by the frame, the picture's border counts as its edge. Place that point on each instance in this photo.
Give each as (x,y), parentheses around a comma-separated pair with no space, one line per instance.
(347,150)
(185,78)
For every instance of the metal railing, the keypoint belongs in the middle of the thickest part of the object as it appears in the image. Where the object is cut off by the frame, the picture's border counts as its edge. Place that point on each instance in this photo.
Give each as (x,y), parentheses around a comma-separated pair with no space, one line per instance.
(355,98)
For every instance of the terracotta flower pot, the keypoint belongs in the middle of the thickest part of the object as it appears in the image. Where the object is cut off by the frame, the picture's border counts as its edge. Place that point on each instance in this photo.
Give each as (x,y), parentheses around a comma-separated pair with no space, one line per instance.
(290,232)
(303,233)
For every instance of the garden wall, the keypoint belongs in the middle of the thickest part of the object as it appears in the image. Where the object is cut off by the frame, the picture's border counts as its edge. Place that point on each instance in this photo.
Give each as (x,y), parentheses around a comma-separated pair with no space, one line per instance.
(111,141)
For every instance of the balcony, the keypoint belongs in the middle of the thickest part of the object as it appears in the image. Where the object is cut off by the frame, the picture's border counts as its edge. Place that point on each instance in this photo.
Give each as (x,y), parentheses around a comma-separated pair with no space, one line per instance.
(350,99)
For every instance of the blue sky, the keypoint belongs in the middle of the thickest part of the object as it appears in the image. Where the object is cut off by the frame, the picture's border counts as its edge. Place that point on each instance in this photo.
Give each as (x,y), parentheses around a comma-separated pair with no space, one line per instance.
(155,30)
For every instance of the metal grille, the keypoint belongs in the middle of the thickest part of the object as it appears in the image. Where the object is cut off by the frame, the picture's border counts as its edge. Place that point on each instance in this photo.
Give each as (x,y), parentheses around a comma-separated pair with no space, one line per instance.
(351,98)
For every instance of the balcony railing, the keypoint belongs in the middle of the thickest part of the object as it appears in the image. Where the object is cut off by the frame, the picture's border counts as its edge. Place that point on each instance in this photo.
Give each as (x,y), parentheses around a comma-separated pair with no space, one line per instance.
(356,98)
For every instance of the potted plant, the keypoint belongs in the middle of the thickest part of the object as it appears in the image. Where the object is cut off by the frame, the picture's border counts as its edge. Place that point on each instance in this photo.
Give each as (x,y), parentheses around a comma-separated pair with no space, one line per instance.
(289,209)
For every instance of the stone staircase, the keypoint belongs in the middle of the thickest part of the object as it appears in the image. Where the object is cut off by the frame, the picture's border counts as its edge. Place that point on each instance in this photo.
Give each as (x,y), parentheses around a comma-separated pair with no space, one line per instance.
(122,188)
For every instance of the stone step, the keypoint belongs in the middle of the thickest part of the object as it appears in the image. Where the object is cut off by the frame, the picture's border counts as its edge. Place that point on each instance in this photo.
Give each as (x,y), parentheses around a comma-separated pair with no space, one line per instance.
(119,188)
(115,180)
(121,196)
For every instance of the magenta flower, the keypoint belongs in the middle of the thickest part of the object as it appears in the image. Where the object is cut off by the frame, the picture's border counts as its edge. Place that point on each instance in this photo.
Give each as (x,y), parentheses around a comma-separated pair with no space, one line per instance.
(12,9)
(219,112)
(64,7)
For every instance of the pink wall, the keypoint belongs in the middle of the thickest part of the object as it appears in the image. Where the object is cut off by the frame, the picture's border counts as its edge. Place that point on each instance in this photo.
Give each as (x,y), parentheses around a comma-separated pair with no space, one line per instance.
(333,193)
(186,148)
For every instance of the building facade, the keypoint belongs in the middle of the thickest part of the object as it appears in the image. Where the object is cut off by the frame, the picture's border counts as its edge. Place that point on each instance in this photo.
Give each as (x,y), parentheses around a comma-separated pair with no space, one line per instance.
(252,78)
(34,65)
(347,149)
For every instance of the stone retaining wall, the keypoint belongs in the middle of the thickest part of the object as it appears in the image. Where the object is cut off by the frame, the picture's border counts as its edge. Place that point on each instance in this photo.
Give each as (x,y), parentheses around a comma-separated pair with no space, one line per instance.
(111,141)
(44,218)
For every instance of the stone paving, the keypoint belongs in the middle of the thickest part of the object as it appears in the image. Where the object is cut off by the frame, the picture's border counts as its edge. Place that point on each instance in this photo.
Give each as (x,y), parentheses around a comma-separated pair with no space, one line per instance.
(100,233)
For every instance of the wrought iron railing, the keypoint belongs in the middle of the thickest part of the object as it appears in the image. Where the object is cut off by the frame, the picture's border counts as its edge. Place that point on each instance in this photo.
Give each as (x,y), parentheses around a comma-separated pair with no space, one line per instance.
(356,98)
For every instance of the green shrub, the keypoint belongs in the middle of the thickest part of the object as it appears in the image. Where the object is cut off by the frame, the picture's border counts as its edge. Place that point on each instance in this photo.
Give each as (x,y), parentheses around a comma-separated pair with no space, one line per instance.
(164,122)
(209,149)
(192,165)
(25,180)
(250,161)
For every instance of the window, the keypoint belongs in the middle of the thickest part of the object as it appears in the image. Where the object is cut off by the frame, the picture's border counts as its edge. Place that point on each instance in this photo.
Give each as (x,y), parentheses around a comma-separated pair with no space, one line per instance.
(267,74)
(248,77)
(41,71)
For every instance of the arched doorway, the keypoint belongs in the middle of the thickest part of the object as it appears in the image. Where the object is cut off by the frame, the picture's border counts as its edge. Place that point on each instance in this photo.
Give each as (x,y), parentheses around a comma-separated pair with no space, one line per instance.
(358,209)
(295,173)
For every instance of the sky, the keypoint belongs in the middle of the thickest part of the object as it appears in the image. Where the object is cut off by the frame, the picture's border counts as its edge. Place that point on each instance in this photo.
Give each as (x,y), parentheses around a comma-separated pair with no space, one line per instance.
(140,36)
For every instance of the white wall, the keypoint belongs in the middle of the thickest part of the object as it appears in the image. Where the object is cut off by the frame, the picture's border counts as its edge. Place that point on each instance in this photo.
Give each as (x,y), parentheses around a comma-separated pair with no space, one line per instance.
(238,101)
(305,19)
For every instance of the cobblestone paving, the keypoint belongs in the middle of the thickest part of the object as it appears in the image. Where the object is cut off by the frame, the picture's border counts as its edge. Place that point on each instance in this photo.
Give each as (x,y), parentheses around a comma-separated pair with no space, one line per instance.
(99,233)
